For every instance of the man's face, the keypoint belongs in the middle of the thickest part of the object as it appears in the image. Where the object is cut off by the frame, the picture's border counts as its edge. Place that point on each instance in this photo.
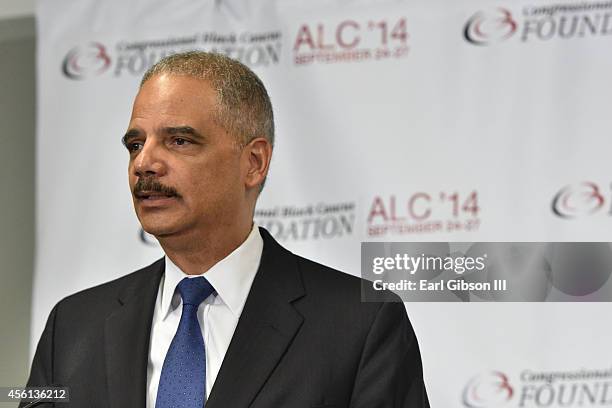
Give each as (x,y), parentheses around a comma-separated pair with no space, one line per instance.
(184,169)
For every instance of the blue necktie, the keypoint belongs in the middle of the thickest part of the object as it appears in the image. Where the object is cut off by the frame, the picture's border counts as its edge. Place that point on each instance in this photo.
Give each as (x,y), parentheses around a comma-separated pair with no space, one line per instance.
(183,378)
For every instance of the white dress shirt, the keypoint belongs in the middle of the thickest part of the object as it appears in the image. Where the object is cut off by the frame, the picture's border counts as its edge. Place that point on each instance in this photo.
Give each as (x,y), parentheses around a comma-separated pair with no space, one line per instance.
(218,315)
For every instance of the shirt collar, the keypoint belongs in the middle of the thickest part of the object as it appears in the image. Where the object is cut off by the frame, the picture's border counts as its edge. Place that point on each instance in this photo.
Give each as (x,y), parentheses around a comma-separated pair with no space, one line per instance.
(231,277)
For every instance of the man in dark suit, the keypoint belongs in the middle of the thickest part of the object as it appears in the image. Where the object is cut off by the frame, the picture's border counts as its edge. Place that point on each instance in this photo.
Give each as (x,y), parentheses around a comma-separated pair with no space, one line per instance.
(228,318)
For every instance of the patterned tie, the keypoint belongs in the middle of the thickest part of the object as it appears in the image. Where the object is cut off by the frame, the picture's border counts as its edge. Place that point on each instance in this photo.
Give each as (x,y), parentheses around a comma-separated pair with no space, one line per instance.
(183,378)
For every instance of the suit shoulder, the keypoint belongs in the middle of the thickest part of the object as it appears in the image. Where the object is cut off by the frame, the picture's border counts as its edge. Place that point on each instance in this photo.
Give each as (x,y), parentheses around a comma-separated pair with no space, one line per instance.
(113,288)
(318,274)
(319,278)
(340,296)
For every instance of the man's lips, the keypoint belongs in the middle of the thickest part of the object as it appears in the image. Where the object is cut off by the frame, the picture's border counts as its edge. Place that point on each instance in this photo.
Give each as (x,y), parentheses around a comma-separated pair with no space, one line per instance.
(154,199)
(152,195)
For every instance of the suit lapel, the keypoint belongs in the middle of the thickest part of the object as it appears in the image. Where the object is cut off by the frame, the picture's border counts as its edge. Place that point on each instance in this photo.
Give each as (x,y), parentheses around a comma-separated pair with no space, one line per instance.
(265,329)
(127,334)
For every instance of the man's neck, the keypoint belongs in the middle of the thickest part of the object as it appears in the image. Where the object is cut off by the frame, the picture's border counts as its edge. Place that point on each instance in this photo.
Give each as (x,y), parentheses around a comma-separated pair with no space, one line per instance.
(196,253)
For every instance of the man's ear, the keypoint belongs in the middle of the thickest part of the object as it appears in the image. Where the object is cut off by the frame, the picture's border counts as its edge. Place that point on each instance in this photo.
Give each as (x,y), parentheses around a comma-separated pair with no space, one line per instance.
(257,155)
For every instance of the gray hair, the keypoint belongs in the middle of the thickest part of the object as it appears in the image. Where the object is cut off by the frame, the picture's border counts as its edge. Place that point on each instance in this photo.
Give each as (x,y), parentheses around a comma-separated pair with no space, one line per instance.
(244,108)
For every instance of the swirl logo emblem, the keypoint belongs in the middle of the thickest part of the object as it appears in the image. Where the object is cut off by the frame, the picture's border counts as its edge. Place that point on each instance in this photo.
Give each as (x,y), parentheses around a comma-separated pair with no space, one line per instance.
(578,199)
(487,27)
(490,390)
(86,61)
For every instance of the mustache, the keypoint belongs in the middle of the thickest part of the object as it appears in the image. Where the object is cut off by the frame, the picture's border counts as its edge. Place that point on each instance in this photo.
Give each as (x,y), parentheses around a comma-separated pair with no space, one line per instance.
(151,184)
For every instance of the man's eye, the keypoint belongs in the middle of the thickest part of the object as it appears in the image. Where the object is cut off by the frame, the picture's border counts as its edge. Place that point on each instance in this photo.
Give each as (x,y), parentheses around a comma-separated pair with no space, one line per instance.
(180,141)
(133,146)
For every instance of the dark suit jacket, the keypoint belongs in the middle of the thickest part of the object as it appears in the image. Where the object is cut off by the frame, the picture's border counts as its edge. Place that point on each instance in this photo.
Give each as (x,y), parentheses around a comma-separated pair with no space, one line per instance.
(304,339)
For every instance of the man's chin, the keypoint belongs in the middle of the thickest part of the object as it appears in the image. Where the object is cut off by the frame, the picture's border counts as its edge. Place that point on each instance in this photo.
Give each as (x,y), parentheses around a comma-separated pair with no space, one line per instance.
(159,230)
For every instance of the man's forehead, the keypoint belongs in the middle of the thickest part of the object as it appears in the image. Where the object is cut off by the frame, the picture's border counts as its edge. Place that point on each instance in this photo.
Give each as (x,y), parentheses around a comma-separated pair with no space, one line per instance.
(168,85)
(171,95)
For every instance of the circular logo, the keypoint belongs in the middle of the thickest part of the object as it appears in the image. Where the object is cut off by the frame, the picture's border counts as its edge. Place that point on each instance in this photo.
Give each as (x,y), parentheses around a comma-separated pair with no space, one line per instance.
(580,268)
(487,391)
(486,27)
(86,60)
(577,199)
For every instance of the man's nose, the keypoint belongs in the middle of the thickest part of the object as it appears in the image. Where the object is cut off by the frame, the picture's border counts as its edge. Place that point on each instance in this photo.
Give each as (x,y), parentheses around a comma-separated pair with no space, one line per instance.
(150,160)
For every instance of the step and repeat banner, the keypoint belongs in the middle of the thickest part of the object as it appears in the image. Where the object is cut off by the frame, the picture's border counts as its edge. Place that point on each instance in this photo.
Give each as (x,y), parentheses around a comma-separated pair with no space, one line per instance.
(397,121)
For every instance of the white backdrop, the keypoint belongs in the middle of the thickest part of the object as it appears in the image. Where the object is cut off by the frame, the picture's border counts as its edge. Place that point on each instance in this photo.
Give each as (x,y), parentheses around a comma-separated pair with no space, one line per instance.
(396,121)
